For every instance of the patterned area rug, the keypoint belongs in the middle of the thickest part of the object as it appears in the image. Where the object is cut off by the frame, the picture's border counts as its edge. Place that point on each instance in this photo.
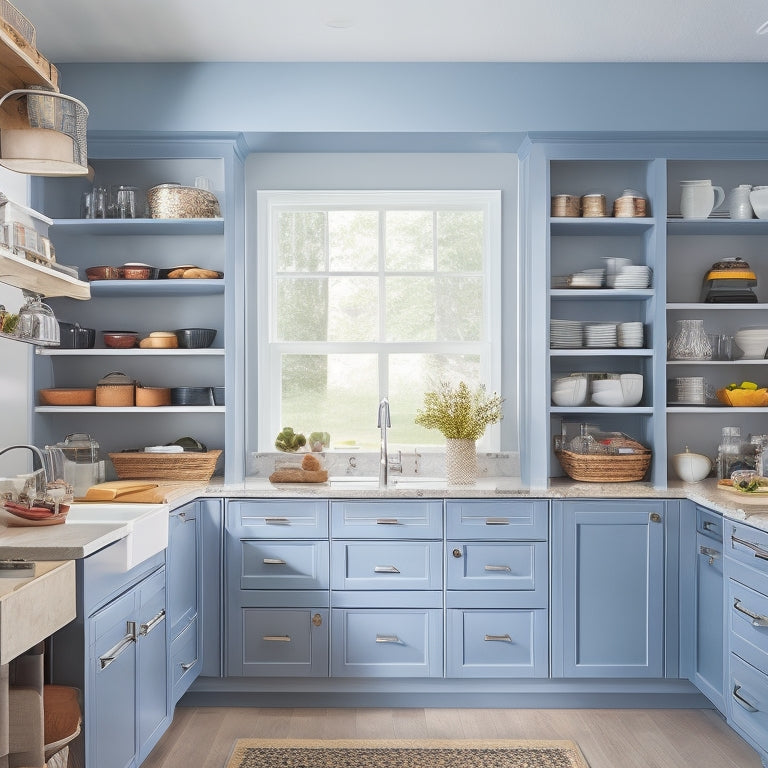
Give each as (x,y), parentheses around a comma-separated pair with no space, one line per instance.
(291,753)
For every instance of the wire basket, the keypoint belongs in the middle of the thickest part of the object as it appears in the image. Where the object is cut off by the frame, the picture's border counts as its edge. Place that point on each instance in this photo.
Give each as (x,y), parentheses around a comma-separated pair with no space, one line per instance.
(190,465)
(18,21)
(173,201)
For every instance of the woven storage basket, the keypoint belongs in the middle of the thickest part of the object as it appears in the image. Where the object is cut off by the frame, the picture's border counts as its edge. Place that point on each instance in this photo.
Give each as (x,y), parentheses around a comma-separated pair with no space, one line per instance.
(190,465)
(605,468)
(172,201)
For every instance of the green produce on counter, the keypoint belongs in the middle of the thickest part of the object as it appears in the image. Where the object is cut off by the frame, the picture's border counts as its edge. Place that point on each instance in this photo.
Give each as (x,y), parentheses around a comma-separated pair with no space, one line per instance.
(290,441)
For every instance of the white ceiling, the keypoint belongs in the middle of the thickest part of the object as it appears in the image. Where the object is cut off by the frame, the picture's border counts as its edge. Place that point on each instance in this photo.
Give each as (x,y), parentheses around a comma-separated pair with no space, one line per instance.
(399,30)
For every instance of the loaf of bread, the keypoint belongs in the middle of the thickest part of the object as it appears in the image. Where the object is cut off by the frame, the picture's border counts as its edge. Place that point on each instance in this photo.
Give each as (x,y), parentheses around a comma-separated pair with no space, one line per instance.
(204,274)
(298,476)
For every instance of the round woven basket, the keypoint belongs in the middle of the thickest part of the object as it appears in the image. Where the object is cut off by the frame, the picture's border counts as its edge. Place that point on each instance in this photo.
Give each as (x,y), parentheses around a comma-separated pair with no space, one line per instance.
(566,205)
(172,201)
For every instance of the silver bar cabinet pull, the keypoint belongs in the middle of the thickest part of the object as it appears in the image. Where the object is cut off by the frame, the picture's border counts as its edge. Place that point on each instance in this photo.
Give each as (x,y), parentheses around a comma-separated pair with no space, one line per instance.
(498,639)
(116,650)
(188,665)
(385,569)
(757,619)
(387,521)
(504,568)
(273,561)
(496,521)
(155,621)
(277,638)
(277,521)
(741,700)
(387,639)
(761,553)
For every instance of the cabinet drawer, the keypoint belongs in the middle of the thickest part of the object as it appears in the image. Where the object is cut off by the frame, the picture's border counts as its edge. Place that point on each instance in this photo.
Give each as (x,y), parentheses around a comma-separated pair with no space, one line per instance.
(497,643)
(185,662)
(746,545)
(387,519)
(279,642)
(748,624)
(267,564)
(748,701)
(519,566)
(507,519)
(709,523)
(278,519)
(387,643)
(387,565)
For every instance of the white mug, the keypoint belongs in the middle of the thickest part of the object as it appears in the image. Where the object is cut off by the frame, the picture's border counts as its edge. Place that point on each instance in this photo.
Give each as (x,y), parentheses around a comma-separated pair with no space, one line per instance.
(699,198)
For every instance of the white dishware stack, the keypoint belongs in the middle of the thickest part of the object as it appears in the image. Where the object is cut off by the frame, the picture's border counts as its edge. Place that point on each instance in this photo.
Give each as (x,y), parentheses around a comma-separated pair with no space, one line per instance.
(686,390)
(600,335)
(633,276)
(620,391)
(570,391)
(629,335)
(753,342)
(566,334)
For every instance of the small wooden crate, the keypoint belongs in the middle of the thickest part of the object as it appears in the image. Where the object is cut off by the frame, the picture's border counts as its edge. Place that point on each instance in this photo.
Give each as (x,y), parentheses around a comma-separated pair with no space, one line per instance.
(190,465)
(605,468)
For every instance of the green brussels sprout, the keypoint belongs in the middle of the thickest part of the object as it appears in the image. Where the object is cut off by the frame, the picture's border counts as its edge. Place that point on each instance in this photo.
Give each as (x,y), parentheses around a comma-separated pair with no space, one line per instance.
(290,441)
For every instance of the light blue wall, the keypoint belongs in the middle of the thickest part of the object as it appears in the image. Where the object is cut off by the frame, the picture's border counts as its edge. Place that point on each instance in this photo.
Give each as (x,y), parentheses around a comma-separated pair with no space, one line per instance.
(487,101)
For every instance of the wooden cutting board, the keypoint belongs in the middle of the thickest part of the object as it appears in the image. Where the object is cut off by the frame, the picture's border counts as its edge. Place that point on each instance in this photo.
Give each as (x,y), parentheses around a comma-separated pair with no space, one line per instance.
(136,491)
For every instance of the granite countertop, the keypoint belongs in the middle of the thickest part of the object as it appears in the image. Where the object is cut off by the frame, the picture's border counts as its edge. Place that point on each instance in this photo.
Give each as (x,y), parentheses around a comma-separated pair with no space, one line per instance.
(74,541)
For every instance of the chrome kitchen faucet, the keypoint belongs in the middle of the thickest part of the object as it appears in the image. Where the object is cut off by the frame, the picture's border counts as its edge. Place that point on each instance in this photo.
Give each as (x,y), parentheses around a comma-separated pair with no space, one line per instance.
(385,465)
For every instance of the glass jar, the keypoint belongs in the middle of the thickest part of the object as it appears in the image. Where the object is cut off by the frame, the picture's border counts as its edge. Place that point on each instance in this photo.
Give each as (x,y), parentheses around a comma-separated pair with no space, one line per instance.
(690,342)
(729,452)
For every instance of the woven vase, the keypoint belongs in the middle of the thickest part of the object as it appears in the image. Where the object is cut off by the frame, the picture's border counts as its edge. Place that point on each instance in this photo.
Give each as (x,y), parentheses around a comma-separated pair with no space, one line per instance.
(460,461)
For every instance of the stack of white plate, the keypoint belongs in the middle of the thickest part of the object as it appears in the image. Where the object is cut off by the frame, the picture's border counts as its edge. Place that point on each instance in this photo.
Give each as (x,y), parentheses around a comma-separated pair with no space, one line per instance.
(630,277)
(565,334)
(630,335)
(600,335)
(753,342)
(686,390)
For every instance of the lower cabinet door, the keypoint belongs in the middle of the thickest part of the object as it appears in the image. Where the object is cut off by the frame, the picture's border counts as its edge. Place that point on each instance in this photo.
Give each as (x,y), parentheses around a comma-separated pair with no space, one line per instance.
(747,702)
(280,642)
(110,695)
(387,642)
(497,643)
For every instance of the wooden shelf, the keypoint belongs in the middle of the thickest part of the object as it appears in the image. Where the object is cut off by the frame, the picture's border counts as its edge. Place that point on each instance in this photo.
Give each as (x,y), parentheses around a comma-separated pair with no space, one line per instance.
(21,64)
(20,273)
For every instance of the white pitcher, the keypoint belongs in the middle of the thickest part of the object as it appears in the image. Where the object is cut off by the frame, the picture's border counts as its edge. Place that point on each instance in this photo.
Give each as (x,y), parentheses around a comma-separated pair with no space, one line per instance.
(699,198)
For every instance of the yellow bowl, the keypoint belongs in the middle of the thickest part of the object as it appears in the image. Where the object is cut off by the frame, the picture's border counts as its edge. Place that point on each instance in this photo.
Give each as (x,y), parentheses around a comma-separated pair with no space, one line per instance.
(744,398)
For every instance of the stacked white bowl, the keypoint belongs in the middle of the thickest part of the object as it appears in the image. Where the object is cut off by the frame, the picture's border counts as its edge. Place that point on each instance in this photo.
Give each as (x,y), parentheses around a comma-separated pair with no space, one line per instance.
(620,391)
(752,341)
(570,391)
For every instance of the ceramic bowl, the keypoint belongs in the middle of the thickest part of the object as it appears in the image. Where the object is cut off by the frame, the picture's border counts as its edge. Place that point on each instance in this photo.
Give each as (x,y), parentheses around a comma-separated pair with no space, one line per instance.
(691,467)
(609,399)
(120,339)
(195,338)
(104,273)
(759,200)
(570,395)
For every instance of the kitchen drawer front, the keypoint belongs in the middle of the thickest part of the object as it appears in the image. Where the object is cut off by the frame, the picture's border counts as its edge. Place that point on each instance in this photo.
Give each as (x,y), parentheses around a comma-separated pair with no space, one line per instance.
(387,565)
(748,624)
(746,545)
(278,519)
(498,643)
(387,643)
(387,519)
(748,702)
(279,642)
(709,523)
(519,566)
(497,519)
(268,564)
(185,661)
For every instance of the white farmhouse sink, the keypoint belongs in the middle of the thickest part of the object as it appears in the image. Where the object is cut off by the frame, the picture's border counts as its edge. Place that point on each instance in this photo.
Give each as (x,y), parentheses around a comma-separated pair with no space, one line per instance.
(146,524)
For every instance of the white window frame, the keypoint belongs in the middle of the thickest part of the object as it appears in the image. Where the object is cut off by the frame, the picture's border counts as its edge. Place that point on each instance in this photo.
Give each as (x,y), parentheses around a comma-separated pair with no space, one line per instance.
(271,202)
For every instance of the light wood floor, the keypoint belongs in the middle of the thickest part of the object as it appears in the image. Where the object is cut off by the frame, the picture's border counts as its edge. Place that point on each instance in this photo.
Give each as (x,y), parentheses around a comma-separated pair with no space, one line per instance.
(202,737)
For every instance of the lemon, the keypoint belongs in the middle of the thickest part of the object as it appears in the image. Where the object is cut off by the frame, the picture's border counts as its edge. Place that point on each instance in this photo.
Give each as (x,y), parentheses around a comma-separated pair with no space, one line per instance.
(748,385)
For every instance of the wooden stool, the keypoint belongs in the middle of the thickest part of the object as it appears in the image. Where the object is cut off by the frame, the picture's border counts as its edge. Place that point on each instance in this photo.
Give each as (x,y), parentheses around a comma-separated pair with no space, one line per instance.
(62,717)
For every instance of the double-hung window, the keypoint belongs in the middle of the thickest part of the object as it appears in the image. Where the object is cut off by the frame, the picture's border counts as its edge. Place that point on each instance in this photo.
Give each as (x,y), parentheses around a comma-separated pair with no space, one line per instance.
(372,294)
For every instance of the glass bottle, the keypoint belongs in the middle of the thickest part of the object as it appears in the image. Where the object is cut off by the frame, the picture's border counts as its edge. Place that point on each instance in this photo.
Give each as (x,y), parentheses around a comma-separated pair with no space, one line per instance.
(690,342)
(728,452)
(583,442)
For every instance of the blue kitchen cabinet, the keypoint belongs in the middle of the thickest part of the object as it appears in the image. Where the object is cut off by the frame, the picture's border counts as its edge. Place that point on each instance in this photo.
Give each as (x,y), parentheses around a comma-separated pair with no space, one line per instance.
(184,597)
(608,591)
(276,584)
(746,577)
(116,653)
(702,624)
(211,566)
(497,588)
